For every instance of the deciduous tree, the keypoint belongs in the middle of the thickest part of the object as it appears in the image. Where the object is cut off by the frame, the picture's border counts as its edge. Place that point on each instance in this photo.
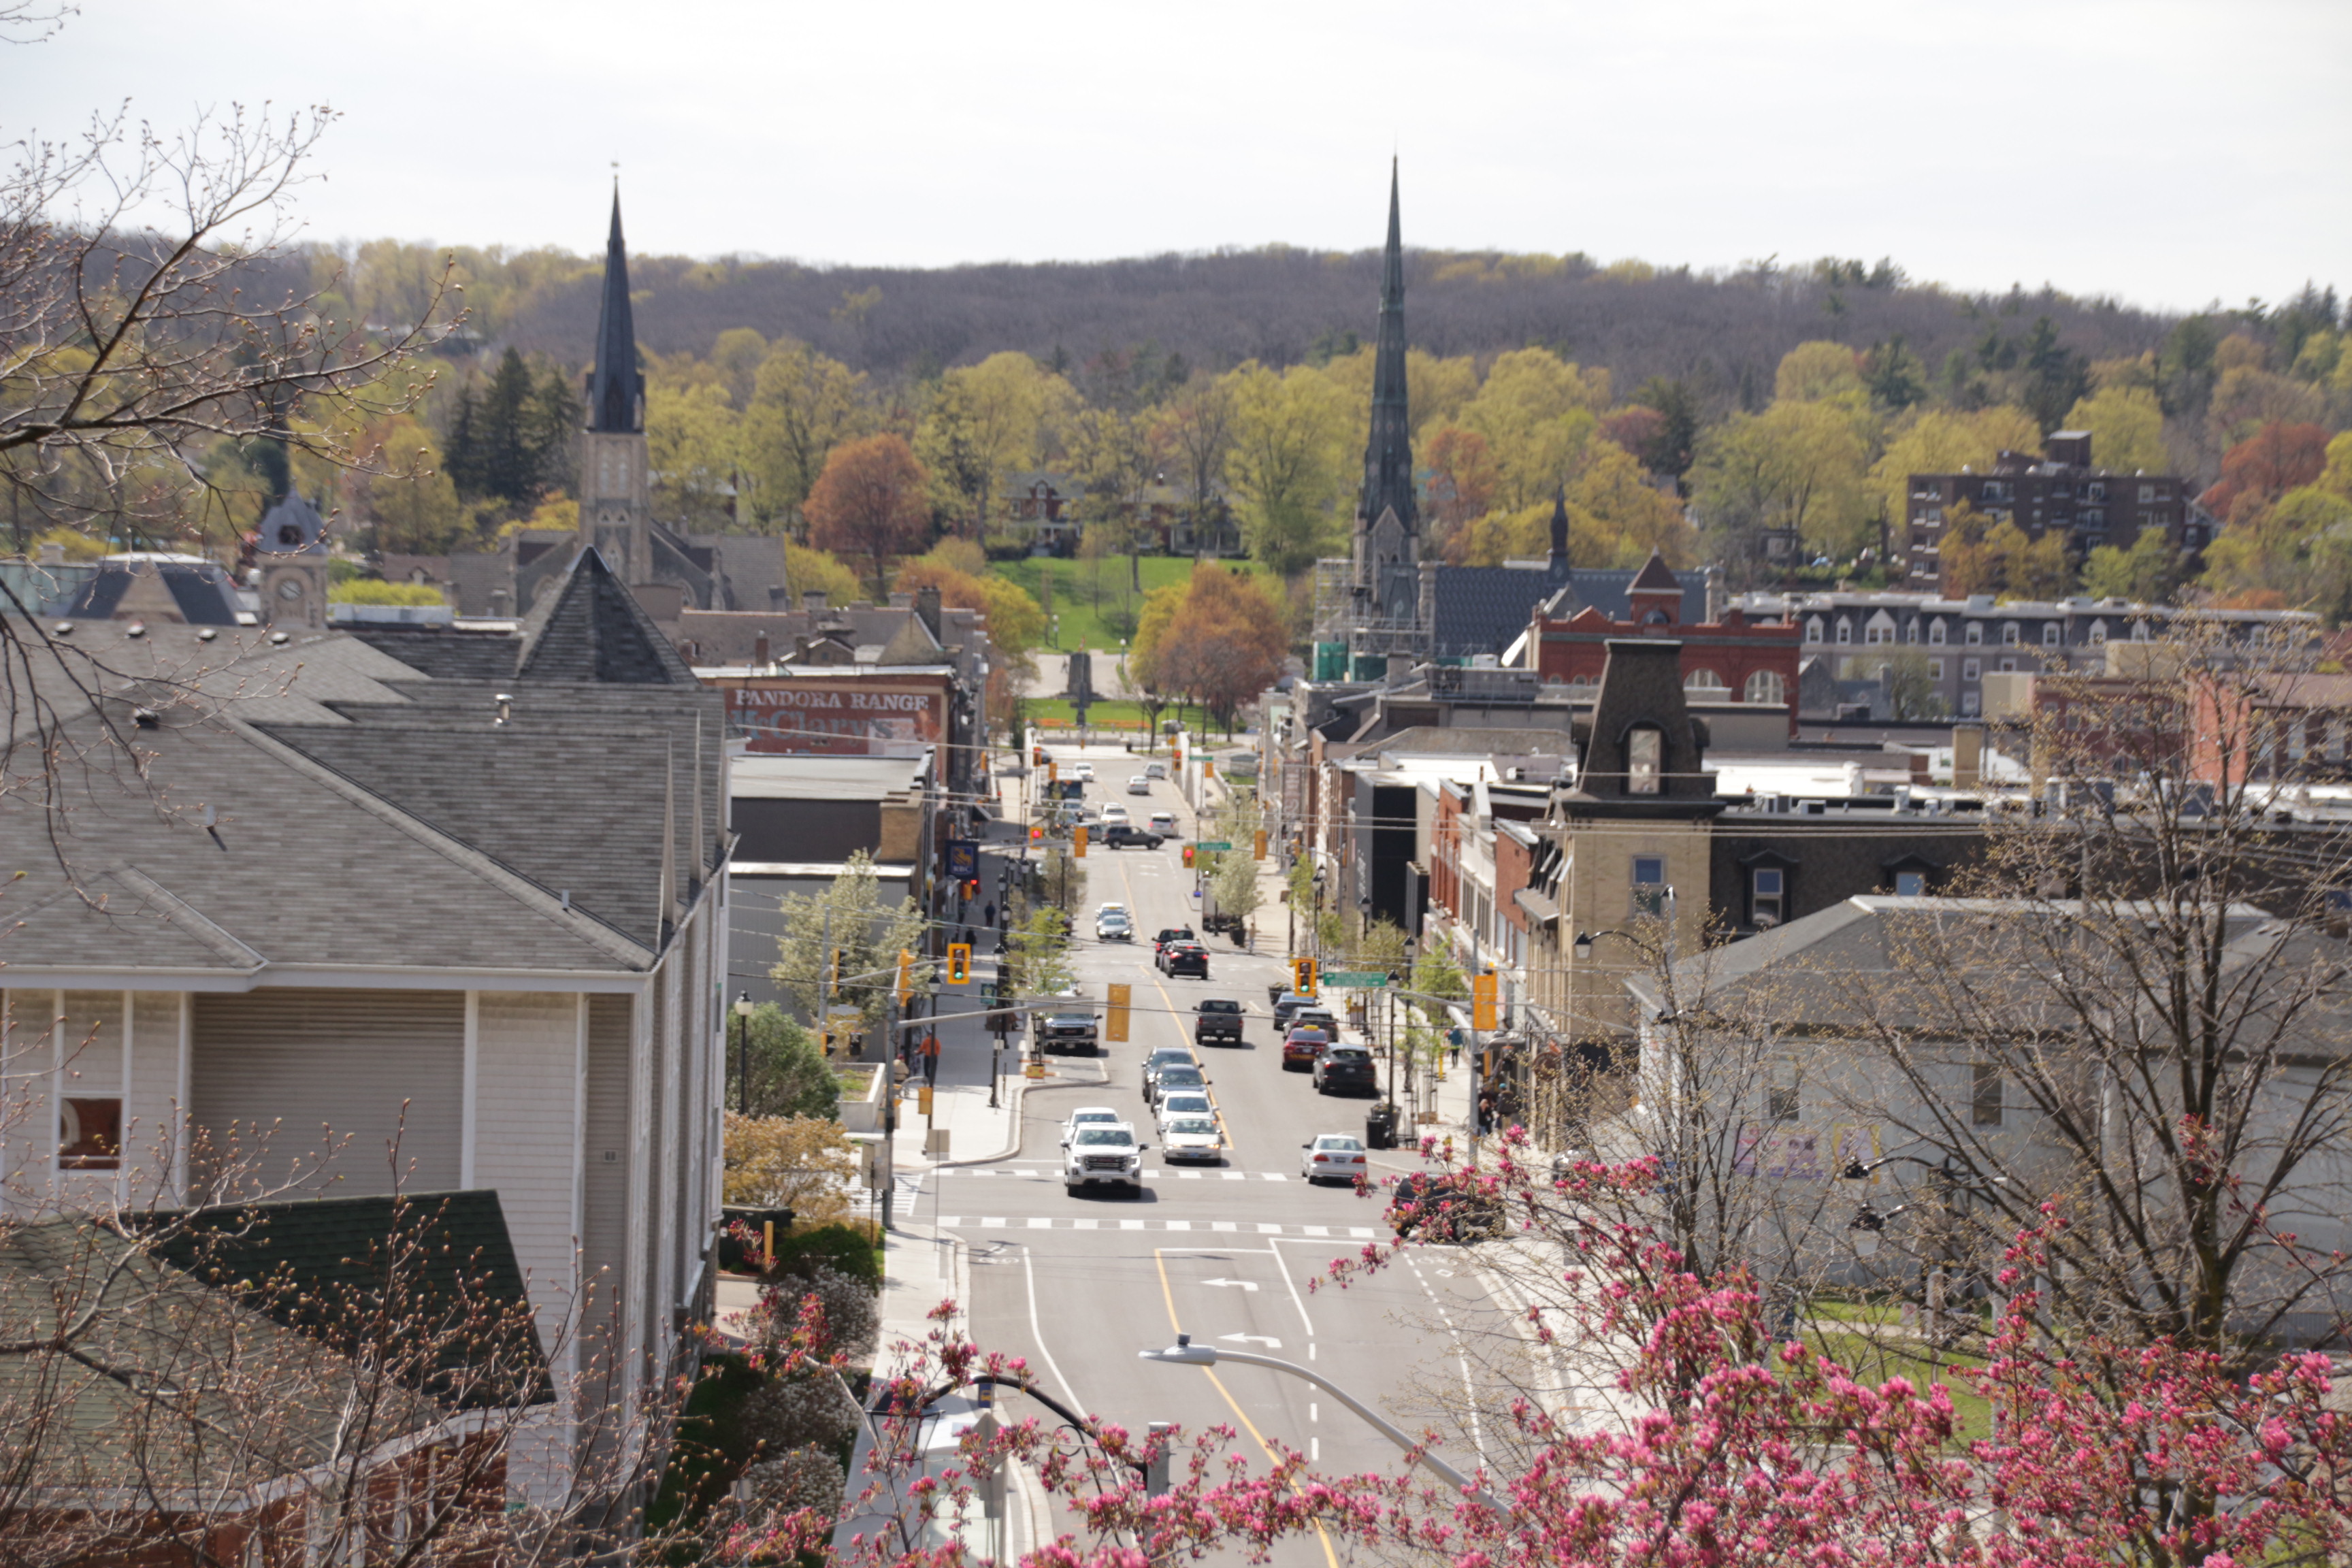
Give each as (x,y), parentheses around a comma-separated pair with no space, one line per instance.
(1288,462)
(871,500)
(803,405)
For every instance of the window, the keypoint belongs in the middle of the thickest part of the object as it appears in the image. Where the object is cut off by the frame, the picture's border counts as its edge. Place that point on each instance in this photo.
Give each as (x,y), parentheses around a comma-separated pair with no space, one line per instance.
(1934,669)
(1764,889)
(1976,634)
(1650,886)
(2147,492)
(1704,683)
(2049,634)
(2095,517)
(89,1134)
(1936,632)
(1765,686)
(1910,884)
(1967,704)
(1814,630)
(1911,631)
(2098,634)
(1643,748)
(2009,634)
(2008,665)
(1782,1097)
(1984,1094)
(1971,668)
(2097,490)
(1845,631)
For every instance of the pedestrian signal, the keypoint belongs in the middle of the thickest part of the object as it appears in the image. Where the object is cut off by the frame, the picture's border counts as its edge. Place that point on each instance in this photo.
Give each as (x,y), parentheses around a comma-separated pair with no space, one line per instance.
(959,962)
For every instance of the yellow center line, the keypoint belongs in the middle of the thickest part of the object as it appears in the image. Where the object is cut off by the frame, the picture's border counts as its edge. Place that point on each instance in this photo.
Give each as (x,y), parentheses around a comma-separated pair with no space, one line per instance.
(1167,1293)
(1160,984)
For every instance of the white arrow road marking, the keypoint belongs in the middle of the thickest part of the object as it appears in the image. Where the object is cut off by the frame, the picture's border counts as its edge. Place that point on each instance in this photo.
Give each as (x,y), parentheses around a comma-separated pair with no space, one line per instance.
(1267,1340)
(1244,1284)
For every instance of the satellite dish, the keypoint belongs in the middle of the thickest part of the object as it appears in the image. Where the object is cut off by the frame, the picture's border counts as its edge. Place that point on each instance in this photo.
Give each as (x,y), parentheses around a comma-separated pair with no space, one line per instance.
(290,528)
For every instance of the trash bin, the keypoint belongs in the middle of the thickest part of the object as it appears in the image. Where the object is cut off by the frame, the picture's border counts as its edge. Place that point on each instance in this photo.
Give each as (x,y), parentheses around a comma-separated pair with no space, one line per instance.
(1379,1127)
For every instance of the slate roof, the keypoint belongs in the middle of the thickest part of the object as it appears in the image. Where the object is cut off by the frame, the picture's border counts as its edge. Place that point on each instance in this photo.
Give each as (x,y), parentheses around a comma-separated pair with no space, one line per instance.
(1655,576)
(616,389)
(197,592)
(590,629)
(1483,609)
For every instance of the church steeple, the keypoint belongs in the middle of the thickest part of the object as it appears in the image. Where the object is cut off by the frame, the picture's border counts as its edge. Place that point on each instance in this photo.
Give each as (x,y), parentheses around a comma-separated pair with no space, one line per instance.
(616,390)
(1388,453)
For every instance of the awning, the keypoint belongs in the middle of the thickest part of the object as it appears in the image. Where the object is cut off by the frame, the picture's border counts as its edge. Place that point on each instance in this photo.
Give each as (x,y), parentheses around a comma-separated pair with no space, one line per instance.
(1540,910)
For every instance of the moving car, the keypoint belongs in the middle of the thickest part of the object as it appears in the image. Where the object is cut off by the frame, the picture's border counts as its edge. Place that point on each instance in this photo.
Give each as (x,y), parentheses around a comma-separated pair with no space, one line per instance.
(1184,958)
(1182,1106)
(1164,822)
(1301,1045)
(1173,1078)
(1345,1066)
(1088,1116)
(1331,1157)
(1082,771)
(1168,934)
(1139,784)
(1121,836)
(1114,812)
(1217,1020)
(1315,1016)
(1155,770)
(1165,1056)
(1189,1138)
(1111,924)
(1443,1208)
(1287,1002)
(1069,1030)
(1104,1154)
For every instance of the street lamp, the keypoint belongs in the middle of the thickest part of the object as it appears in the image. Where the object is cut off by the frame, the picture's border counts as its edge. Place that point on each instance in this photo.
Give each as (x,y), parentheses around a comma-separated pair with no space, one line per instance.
(1184,1352)
(743,1052)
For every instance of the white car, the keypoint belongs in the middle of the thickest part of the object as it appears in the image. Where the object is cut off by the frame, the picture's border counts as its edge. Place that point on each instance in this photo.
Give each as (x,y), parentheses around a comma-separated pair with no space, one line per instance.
(1112,925)
(1089,1116)
(1332,1157)
(1190,1138)
(1183,1105)
(1164,822)
(1155,770)
(1113,813)
(1104,1154)
(1082,771)
(1139,784)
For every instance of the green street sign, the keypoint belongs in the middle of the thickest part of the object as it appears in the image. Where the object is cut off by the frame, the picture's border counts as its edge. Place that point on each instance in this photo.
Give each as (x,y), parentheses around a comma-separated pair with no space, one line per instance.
(1213,845)
(1357,979)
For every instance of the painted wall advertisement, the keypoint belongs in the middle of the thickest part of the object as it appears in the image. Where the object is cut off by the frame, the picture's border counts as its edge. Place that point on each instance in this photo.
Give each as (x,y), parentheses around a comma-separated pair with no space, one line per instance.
(836,719)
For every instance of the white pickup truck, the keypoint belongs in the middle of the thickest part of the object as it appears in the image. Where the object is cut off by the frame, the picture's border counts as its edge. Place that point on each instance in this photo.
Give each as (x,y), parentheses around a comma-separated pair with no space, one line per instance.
(1101,1155)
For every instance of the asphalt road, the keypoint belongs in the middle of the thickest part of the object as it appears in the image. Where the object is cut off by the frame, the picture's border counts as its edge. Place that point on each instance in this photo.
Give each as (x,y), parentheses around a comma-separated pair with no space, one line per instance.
(1080,1283)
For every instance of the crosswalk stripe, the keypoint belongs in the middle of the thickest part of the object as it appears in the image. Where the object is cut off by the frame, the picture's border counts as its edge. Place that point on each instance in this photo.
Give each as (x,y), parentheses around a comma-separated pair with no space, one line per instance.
(1052,1222)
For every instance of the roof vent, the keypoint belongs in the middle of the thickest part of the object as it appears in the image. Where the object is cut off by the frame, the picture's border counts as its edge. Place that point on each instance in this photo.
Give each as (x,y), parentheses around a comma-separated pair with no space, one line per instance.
(135,629)
(279,640)
(146,719)
(65,628)
(208,633)
(506,706)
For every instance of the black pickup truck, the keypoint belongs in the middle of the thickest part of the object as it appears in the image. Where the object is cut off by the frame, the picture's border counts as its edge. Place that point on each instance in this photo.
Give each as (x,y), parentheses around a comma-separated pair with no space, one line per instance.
(1217,1021)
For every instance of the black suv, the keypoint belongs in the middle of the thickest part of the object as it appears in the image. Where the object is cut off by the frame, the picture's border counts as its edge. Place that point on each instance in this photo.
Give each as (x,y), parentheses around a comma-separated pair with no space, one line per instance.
(1345,1066)
(1121,835)
(1219,1021)
(1184,958)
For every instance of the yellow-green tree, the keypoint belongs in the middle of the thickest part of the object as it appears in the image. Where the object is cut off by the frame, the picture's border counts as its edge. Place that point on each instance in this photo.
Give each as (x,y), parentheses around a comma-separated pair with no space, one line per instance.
(803,405)
(690,444)
(1818,372)
(987,421)
(1288,461)
(2126,429)
(1795,466)
(1945,441)
(1537,413)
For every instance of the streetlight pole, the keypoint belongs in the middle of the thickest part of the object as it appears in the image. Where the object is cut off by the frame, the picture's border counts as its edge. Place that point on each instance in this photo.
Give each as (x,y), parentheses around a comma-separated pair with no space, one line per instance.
(1184,1352)
(743,1052)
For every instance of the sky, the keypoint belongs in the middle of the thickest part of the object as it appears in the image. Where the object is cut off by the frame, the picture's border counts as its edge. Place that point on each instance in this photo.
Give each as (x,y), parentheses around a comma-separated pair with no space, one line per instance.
(2165,153)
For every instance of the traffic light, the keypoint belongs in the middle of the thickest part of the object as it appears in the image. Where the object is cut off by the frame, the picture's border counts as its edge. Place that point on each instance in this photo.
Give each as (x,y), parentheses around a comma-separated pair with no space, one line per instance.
(905,976)
(1053,773)
(833,972)
(959,962)
(1259,853)
(1188,855)
(1303,976)
(1078,843)
(1036,832)
(1482,1002)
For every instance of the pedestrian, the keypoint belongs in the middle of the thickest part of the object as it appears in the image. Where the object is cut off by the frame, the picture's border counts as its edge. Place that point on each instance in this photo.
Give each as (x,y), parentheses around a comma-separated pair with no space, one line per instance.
(930,1056)
(988,915)
(1454,1046)
(1485,1113)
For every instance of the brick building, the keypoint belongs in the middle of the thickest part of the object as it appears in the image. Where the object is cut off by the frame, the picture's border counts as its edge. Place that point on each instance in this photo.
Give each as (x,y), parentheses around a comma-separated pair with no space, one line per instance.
(2061,492)
(1732,659)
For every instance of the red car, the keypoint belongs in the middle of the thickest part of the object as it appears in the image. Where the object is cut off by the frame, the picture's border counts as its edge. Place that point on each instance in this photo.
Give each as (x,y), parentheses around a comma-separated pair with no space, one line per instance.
(1301,1047)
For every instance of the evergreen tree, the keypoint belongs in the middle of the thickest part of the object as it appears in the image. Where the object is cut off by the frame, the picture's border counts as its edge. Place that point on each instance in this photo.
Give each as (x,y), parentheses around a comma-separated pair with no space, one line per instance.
(556,418)
(509,461)
(461,454)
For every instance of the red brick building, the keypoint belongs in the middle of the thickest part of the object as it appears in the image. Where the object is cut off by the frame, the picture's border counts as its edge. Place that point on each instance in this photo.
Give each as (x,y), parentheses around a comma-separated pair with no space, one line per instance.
(1730,660)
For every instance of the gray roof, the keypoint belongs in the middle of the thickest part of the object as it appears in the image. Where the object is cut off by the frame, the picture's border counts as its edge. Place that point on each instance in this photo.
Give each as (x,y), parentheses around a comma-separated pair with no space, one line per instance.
(1484,609)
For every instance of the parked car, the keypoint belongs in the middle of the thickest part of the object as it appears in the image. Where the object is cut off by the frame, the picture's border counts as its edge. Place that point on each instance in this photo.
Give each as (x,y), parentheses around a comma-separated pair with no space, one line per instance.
(1165,1056)
(1069,1030)
(1217,1020)
(1173,1078)
(1139,784)
(1331,1157)
(1301,1045)
(1088,1116)
(1155,770)
(1346,1067)
(1111,924)
(1164,822)
(1121,835)
(1103,1155)
(1184,1139)
(1443,1208)
(1178,1105)
(1184,958)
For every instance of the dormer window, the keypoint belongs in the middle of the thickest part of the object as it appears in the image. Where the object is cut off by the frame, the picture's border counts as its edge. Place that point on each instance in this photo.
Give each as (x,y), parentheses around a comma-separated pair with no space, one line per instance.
(1936,632)
(1644,760)
(1845,631)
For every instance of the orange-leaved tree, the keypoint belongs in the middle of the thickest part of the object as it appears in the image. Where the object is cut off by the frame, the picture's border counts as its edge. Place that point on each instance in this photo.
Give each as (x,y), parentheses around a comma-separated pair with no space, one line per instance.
(1225,645)
(870,500)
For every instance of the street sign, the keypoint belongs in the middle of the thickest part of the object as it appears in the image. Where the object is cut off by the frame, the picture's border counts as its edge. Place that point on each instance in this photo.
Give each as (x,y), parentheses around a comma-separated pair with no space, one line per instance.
(1356,979)
(963,858)
(1213,845)
(1115,1025)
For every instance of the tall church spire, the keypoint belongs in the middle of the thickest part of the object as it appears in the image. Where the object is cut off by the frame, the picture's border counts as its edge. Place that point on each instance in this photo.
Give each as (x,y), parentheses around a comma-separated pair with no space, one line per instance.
(616,391)
(1388,453)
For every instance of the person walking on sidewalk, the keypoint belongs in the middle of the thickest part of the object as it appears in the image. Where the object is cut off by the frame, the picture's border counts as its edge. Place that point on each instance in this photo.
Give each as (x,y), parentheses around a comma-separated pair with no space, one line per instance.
(930,1056)
(988,915)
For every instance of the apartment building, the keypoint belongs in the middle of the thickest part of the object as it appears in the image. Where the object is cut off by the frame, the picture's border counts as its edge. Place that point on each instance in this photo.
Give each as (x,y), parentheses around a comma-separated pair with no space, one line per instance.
(2061,492)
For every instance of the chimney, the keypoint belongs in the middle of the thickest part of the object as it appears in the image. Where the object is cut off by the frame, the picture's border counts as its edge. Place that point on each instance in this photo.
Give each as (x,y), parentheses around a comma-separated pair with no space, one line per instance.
(1968,756)
(927,604)
(812,601)
(759,649)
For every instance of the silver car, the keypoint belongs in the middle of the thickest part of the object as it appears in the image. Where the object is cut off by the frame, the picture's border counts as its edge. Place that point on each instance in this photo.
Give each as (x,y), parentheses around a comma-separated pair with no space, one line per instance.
(1193,1138)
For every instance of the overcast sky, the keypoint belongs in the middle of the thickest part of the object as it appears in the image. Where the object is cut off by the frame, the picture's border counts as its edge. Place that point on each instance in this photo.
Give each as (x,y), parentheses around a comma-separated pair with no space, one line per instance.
(2167,151)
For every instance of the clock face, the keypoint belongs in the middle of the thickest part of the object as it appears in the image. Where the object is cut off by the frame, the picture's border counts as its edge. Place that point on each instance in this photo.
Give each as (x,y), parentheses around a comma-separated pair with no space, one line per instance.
(290,589)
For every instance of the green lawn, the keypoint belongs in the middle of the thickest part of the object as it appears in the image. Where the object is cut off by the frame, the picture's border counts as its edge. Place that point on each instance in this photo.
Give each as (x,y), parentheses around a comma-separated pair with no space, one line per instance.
(1090,598)
(1873,1360)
